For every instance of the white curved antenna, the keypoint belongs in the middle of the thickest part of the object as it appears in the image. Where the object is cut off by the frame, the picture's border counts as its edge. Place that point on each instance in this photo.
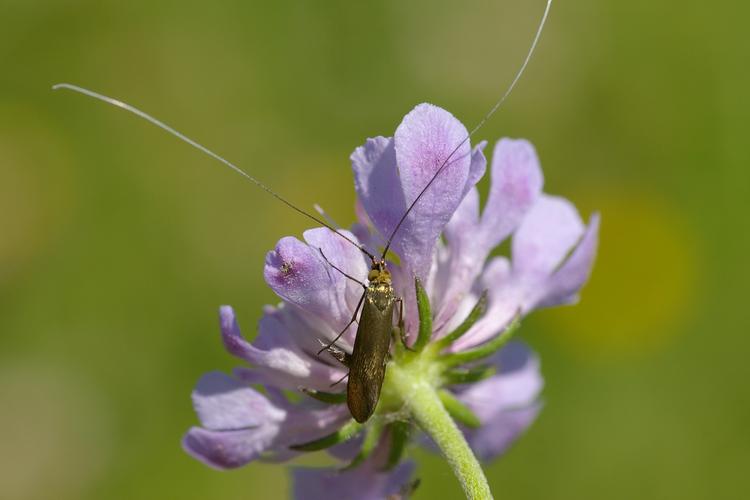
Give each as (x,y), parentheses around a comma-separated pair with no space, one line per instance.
(200,147)
(479,125)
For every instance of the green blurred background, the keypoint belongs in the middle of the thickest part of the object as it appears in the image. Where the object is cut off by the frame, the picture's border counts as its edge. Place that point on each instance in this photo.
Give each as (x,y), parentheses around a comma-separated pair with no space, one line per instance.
(118,243)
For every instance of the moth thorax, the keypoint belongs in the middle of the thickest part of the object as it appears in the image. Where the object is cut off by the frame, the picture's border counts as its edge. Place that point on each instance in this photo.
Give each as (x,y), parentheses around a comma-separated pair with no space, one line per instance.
(379,274)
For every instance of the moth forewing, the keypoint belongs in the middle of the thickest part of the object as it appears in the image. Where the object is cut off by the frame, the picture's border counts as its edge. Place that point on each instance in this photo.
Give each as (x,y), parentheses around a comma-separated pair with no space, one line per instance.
(371,345)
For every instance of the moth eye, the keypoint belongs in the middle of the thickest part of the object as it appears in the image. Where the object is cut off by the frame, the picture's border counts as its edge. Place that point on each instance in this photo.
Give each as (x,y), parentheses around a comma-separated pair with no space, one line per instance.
(372,275)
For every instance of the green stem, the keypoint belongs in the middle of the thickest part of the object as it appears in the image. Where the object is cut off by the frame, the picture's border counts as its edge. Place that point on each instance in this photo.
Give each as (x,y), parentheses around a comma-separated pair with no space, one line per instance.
(428,411)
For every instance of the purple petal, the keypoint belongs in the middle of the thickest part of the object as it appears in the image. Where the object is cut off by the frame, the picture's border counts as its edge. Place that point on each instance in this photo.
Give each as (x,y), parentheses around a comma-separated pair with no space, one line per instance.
(564,284)
(275,355)
(424,140)
(390,174)
(516,185)
(516,385)
(350,260)
(465,220)
(462,263)
(298,273)
(506,403)
(306,424)
(376,180)
(224,403)
(496,435)
(364,229)
(361,483)
(477,167)
(553,253)
(227,449)
(504,300)
(243,424)
(550,230)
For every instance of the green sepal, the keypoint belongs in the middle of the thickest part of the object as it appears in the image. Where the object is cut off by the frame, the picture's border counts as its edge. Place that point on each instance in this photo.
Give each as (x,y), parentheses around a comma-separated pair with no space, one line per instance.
(476,313)
(399,433)
(333,398)
(458,410)
(425,317)
(372,438)
(348,431)
(468,375)
(484,350)
(407,490)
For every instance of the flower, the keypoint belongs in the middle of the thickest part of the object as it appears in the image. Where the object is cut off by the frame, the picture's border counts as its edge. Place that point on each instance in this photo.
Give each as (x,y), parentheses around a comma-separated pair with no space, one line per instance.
(472,300)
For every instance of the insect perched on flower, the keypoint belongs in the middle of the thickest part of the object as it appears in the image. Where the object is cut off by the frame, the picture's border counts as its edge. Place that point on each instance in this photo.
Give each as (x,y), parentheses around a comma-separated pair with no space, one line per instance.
(458,317)
(450,359)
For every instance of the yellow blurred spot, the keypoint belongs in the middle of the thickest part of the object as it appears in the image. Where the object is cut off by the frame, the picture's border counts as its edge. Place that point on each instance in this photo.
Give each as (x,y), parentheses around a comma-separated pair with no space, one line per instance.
(643,282)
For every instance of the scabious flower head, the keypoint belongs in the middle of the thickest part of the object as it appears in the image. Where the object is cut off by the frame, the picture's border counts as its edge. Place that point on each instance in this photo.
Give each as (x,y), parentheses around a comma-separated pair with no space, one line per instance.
(471,300)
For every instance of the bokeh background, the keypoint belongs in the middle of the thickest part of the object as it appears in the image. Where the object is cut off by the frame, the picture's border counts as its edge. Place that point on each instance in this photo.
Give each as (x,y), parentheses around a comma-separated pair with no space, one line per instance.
(118,243)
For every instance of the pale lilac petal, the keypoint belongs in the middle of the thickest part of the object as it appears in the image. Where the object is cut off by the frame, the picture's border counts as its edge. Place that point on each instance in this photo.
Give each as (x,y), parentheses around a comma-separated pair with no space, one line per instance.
(495,436)
(376,180)
(346,450)
(455,270)
(553,253)
(365,230)
(299,274)
(304,331)
(516,385)
(504,300)
(350,259)
(275,356)
(564,284)
(424,140)
(464,222)
(516,185)
(361,483)
(550,230)
(477,167)
(243,424)
(225,403)
(463,261)
(507,403)
(227,449)
(304,424)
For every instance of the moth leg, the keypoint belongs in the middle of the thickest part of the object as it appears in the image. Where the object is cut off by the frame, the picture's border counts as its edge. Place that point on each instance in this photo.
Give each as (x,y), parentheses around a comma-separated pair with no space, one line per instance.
(340,380)
(341,356)
(354,318)
(401,329)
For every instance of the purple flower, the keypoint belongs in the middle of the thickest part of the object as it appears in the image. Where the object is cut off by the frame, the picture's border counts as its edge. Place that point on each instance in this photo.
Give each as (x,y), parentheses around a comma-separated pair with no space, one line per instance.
(247,416)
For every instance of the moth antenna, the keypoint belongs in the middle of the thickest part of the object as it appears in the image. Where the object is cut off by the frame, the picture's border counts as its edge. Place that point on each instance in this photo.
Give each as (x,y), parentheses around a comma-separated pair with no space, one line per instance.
(479,125)
(327,217)
(205,150)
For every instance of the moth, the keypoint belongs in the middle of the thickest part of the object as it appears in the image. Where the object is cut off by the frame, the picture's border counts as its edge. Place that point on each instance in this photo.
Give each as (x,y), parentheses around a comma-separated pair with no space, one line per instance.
(368,359)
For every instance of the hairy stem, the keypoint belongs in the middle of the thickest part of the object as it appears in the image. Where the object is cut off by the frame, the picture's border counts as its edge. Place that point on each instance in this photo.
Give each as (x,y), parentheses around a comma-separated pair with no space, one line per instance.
(423,401)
